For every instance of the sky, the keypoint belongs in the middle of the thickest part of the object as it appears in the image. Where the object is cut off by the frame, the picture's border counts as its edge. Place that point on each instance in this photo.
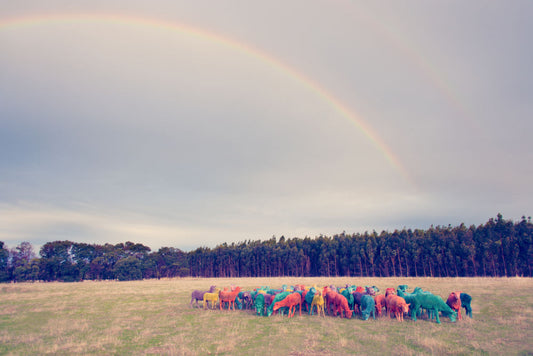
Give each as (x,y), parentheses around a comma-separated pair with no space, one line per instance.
(192,123)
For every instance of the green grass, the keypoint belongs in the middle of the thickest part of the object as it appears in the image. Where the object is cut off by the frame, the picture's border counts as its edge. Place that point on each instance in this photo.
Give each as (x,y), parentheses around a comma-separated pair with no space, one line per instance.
(154,317)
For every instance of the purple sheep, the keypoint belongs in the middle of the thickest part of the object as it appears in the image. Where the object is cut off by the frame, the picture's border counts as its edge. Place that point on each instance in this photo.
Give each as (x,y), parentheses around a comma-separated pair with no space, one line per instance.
(199,295)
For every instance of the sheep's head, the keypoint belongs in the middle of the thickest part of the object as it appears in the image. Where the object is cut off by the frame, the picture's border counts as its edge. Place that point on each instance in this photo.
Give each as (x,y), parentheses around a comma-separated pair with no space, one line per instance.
(365,314)
(453,316)
(389,291)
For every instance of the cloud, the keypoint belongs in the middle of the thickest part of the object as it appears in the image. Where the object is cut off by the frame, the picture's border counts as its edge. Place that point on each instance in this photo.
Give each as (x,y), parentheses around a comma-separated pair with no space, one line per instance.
(121,131)
(29,222)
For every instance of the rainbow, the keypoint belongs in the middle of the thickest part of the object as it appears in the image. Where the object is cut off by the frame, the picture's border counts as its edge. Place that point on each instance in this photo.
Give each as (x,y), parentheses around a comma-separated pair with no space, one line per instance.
(199,33)
(401,42)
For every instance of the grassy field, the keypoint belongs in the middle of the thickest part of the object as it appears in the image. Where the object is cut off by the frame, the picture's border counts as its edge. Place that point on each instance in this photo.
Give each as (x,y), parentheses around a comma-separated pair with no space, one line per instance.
(154,317)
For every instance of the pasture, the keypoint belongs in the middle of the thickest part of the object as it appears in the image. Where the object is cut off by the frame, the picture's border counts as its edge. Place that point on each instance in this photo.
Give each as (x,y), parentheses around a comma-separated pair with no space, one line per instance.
(154,317)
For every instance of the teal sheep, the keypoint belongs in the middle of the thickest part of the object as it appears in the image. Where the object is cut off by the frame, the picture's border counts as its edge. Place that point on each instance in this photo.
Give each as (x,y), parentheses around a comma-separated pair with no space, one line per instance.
(368,307)
(238,302)
(308,299)
(434,304)
(349,297)
(259,304)
(466,299)
(409,297)
(403,287)
(426,300)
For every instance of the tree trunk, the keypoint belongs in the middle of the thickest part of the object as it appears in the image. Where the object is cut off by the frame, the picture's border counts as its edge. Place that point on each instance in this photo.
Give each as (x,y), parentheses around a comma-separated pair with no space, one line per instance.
(399,261)
(503,260)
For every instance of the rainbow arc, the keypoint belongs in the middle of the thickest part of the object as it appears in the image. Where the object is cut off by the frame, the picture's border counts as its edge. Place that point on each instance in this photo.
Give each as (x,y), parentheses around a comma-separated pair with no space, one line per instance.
(312,85)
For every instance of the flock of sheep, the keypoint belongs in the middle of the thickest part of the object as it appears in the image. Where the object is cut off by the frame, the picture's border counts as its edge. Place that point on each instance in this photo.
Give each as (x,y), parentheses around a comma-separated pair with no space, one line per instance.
(363,301)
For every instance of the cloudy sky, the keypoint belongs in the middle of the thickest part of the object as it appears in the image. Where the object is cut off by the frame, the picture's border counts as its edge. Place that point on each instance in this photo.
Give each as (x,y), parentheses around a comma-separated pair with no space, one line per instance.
(193,123)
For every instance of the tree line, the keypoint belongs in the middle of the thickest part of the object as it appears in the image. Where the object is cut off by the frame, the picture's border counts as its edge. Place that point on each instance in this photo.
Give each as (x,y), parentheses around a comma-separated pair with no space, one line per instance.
(497,248)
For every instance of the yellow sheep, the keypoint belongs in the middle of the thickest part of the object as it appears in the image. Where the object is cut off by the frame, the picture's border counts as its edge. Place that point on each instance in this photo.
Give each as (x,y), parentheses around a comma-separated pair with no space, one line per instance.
(211,297)
(318,301)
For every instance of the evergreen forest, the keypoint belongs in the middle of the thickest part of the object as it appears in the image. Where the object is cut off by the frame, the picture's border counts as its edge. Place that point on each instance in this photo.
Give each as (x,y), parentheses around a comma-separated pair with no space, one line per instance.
(497,248)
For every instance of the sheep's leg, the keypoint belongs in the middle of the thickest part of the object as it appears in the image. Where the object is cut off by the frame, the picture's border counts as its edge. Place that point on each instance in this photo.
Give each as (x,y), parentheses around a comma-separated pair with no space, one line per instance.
(436,315)
(468,311)
(414,312)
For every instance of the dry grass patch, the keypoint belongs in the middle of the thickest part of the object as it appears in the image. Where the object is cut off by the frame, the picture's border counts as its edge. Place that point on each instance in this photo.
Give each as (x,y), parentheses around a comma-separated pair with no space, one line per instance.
(154,317)
(432,346)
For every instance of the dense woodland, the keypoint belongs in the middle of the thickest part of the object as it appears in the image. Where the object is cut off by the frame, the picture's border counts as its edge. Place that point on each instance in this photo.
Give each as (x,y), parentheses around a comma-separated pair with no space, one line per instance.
(497,248)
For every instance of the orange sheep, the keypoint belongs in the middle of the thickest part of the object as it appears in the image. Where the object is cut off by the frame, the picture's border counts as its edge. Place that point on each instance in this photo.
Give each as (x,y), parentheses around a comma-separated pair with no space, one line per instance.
(227,296)
(380,303)
(290,302)
(398,306)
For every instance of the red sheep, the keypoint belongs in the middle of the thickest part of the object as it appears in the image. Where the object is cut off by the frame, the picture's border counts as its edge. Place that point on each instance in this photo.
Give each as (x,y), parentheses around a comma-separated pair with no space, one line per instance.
(454,302)
(341,305)
(329,297)
(389,291)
